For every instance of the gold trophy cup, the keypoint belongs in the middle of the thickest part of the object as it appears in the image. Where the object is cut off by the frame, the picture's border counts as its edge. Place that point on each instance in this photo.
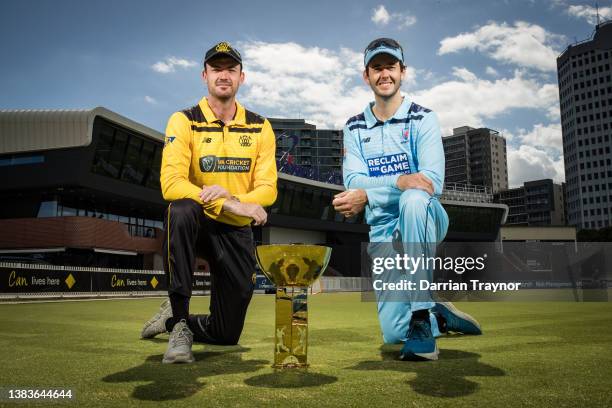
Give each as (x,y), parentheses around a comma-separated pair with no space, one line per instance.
(292,268)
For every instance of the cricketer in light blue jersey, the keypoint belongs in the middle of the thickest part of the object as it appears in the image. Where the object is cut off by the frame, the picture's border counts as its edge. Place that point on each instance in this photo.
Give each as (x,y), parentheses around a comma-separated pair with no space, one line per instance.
(378,153)
(394,167)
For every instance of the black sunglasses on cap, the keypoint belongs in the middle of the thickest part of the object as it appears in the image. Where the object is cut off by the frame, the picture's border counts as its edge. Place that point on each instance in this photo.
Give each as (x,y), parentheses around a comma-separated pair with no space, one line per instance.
(383,46)
(387,42)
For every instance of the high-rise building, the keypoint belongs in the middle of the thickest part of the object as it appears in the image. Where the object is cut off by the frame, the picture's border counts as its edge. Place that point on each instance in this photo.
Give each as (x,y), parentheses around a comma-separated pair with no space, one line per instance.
(585,95)
(476,157)
(537,202)
(307,146)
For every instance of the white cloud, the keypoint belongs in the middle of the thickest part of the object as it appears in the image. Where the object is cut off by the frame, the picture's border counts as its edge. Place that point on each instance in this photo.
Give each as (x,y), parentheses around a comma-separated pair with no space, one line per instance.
(546,137)
(381,17)
(169,65)
(530,163)
(469,100)
(492,71)
(324,86)
(150,99)
(315,83)
(464,74)
(507,134)
(523,44)
(589,13)
(535,154)
(404,20)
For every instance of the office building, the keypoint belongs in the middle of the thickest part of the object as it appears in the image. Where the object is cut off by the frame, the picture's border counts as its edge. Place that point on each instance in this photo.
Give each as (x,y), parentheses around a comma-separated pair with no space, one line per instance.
(585,95)
(476,157)
(535,203)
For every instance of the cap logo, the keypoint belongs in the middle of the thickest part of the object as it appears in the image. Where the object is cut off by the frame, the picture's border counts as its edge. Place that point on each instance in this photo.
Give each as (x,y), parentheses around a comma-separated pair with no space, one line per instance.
(223,47)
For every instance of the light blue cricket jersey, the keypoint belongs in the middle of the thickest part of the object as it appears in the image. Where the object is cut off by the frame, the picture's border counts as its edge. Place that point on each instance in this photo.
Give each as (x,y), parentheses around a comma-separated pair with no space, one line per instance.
(377,153)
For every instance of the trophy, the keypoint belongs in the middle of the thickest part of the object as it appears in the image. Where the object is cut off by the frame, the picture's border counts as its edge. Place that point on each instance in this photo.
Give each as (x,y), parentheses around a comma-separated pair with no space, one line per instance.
(292,268)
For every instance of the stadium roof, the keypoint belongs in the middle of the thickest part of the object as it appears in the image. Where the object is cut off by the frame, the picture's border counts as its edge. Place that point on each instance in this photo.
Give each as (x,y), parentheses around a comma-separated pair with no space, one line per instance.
(35,130)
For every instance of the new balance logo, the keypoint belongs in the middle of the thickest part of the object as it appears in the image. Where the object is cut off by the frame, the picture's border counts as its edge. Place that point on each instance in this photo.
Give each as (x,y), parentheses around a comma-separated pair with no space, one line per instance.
(169,140)
(365,140)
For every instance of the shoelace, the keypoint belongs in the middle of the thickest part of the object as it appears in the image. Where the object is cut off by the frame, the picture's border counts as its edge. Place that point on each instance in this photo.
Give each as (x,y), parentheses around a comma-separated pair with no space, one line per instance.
(183,337)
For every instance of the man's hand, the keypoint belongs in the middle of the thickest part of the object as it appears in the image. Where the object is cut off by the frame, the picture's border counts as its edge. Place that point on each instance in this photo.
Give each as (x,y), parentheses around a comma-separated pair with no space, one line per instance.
(254,211)
(350,202)
(415,180)
(213,192)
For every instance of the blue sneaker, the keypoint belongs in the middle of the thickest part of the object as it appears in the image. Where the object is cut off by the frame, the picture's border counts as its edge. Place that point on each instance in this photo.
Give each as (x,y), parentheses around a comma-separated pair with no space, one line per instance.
(455,320)
(421,344)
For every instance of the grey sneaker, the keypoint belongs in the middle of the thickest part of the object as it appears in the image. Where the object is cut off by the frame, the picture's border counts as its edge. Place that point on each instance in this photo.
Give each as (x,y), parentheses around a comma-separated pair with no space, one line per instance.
(157,324)
(179,345)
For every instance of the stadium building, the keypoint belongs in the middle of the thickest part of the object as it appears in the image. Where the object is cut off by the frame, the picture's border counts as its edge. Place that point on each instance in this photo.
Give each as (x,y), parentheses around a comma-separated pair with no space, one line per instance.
(81,188)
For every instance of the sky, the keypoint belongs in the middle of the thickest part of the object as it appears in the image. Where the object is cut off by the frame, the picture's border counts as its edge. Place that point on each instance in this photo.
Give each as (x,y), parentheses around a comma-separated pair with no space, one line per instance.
(476,63)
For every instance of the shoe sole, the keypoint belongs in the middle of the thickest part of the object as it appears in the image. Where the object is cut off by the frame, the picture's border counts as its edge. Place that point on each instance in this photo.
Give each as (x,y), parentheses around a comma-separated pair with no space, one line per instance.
(410,356)
(150,336)
(451,309)
(179,359)
(164,306)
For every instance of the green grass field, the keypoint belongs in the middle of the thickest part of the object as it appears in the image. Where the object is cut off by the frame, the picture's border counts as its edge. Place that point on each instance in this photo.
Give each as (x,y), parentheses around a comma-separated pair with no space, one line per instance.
(531,354)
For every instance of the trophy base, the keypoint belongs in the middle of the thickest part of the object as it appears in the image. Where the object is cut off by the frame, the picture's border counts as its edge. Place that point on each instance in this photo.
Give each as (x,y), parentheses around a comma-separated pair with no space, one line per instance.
(291,345)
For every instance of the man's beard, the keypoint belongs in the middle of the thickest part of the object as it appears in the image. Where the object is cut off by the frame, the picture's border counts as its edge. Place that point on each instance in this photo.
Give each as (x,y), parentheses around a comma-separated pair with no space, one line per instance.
(225,96)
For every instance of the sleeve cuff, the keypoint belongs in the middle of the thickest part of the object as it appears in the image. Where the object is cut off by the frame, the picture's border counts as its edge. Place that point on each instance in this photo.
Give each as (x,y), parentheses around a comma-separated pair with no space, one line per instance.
(218,208)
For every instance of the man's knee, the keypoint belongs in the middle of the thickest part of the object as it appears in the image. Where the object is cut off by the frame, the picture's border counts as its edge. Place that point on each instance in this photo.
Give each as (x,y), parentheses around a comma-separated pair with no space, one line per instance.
(414,201)
(230,331)
(183,211)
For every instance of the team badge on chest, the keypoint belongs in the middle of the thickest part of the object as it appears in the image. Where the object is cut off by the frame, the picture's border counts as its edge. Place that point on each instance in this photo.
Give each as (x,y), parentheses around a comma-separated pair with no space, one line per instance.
(245,141)
(406,136)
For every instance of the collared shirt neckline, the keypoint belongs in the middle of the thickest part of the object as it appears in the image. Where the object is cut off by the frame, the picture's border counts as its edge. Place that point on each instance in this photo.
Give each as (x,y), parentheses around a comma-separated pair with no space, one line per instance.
(209,115)
(400,113)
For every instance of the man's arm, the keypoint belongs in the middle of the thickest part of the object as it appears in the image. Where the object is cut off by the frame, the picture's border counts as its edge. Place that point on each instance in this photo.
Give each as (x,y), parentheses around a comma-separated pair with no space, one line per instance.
(176,160)
(264,174)
(430,152)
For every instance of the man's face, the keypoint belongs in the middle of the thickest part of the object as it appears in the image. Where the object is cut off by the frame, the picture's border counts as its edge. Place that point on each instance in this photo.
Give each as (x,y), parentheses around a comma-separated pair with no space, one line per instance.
(384,74)
(223,76)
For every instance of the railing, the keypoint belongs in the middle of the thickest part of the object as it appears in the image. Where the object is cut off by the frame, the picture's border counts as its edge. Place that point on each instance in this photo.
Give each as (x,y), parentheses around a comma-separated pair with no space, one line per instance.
(467,192)
(603,23)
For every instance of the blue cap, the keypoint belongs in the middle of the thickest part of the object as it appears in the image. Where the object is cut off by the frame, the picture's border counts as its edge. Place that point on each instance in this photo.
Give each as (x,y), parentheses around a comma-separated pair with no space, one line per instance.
(383,46)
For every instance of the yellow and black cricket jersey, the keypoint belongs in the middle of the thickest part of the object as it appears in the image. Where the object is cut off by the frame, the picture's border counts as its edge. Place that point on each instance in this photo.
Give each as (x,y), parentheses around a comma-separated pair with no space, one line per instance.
(238,156)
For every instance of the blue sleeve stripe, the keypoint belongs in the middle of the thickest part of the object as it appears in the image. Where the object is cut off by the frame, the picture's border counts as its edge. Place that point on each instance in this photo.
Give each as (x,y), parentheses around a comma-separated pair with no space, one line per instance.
(356,118)
(357,126)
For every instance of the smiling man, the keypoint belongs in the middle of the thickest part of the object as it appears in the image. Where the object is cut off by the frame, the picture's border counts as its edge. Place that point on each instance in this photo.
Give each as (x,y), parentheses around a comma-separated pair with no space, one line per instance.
(218,172)
(394,168)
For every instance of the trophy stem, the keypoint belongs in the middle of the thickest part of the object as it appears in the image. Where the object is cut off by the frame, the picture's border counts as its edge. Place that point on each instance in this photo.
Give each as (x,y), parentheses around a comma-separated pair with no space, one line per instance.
(291,344)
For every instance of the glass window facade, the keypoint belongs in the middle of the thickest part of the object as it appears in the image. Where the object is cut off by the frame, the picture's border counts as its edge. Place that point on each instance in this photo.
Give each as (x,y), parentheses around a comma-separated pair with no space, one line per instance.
(125,155)
(138,226)
(18,160)
(478,220)
(305,201)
